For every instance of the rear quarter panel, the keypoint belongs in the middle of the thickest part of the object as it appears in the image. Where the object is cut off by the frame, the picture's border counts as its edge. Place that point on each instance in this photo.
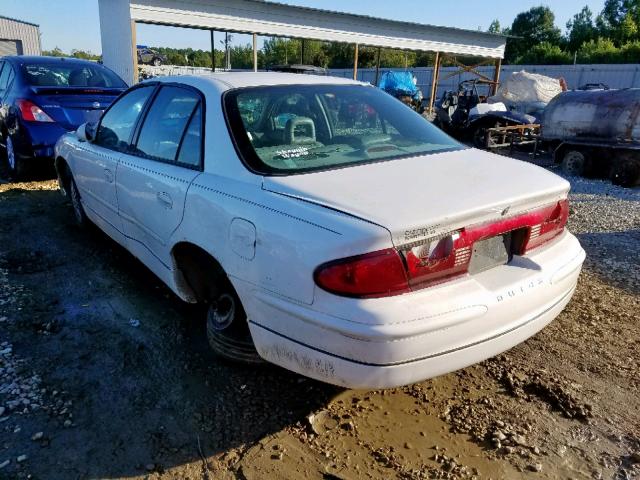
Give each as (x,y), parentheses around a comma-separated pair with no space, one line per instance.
(292,237)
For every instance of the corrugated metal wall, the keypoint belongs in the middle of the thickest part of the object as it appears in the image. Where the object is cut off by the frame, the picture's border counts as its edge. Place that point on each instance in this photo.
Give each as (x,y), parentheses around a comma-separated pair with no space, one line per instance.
(27,34)
(616,76)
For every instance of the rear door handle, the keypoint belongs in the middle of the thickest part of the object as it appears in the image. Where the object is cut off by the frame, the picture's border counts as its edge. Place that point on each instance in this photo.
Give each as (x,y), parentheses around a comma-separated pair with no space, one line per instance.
(165,199)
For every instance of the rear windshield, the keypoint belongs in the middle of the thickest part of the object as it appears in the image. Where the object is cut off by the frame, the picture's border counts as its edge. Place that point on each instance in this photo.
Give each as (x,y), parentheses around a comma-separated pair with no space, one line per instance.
(71,74)
(301,128)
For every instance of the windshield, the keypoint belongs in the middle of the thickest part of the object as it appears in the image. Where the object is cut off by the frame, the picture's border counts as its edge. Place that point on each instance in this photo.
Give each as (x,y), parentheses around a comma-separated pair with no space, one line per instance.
(71,74)
(301,128)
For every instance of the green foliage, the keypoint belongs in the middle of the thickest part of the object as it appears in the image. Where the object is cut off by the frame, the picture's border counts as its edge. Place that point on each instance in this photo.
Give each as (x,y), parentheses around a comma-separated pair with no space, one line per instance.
(84,55)
(545,53)
(532,27)
(581,29)
(495,27)
(601,50)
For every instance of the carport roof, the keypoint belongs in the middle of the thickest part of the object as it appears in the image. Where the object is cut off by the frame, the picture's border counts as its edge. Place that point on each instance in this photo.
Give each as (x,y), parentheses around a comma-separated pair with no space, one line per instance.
(278,19)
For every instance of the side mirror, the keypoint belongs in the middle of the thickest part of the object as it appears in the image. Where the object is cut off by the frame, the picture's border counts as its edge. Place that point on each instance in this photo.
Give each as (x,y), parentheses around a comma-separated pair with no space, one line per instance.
(85,132)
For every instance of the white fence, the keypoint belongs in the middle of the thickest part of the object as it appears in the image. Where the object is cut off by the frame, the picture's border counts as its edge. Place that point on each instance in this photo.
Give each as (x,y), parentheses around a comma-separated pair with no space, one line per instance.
(616,76)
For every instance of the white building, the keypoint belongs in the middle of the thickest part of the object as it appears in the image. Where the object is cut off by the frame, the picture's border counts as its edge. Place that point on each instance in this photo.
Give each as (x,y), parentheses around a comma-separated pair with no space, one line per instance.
(18,37)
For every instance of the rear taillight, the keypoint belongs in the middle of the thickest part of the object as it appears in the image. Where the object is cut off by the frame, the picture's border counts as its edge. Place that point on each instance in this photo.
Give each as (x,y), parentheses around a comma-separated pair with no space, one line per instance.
(553,222)
(436,260)
(377,274)
(31,112)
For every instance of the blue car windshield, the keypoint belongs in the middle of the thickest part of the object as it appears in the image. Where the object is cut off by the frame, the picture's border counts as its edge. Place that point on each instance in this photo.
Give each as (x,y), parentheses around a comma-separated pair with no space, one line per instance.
(284,130)
(71,74)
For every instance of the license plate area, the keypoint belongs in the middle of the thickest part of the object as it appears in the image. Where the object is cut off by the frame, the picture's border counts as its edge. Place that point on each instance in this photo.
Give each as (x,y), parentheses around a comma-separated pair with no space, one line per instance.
(490,252)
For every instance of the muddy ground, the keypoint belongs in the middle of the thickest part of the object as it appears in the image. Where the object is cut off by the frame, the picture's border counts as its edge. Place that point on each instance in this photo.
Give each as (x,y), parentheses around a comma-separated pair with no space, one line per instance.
(105,374)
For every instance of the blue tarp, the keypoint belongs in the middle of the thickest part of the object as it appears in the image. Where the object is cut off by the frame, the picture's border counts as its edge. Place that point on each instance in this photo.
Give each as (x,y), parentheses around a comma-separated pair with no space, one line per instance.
(398,83)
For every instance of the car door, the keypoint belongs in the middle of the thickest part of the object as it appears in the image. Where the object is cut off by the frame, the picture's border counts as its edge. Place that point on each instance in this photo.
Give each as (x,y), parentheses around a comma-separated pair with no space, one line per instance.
(94,164)
(154,176)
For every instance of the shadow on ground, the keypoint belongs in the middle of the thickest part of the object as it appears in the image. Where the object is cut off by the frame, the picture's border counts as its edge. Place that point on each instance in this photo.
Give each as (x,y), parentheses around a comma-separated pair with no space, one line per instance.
(109,337)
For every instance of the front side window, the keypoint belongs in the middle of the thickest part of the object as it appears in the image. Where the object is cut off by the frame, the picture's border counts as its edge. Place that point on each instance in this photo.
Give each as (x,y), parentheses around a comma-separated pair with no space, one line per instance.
(301,128)
(70,74)
(166,122)
(118,122)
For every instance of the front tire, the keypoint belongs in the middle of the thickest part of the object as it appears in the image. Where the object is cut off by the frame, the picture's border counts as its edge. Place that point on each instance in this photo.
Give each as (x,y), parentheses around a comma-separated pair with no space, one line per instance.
(157,62)
(76,202)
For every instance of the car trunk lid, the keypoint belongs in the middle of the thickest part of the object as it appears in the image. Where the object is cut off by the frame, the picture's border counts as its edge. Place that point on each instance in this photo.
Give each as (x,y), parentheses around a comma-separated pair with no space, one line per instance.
(426,196)
(73,106)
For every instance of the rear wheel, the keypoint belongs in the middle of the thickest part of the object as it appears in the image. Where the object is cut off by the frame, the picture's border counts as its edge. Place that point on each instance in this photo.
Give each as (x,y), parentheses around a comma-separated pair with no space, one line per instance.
(575,163)
(625,173)
(227,327)
(17,167)
(157,62)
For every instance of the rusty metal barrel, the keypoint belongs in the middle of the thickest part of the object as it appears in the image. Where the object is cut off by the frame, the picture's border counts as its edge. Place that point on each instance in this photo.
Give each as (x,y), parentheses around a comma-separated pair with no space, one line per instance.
(607,116)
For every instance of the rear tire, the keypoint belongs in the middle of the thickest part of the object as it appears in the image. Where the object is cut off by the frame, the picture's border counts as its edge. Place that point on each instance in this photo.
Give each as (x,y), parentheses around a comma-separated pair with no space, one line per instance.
(227,328)
(17,166)
(157,62)
(575,163)
(625,173)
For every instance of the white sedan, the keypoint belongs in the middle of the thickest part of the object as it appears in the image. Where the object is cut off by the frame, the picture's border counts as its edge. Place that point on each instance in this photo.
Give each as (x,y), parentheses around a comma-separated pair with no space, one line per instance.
(326,227)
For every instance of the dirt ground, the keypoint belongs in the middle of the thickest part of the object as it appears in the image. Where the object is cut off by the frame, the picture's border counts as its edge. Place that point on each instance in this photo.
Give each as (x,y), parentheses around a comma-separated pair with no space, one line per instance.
(105,374)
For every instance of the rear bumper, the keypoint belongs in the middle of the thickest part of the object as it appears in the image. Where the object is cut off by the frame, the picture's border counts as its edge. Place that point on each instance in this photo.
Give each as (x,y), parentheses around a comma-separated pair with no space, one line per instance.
(37,140)
(379,343)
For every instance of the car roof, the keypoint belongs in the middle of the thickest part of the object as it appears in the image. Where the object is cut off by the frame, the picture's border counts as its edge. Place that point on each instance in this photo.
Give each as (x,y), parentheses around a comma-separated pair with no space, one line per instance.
(32,59)
(230,80)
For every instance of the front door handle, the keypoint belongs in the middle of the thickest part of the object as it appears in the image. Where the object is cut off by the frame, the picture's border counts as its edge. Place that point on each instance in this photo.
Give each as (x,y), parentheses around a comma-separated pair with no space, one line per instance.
(108,175)
(165,199)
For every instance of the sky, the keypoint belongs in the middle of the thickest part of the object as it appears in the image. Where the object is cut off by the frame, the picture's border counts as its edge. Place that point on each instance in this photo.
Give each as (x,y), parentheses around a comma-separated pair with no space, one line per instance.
(74,24)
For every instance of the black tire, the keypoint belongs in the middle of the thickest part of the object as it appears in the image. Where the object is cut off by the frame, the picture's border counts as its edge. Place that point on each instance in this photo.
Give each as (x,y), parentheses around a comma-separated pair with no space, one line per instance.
(17,167)
(76,203)
(156,62)
(575,163)
(625,173)
(227,328)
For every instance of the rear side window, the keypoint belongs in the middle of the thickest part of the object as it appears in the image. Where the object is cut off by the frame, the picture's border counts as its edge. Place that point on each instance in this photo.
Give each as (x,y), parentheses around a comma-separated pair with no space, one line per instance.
(191,149)
(4,75)
(118,123)
(166,122)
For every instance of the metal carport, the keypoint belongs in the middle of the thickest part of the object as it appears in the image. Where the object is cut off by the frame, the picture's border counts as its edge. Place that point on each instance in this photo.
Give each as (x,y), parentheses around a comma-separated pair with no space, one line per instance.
(119,17)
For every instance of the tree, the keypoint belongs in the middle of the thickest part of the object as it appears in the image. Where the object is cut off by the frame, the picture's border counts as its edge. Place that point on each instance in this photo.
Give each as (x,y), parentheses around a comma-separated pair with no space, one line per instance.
(546,54)
(599,51)
(619,21)
(532,27)
(495,27)
(580,29)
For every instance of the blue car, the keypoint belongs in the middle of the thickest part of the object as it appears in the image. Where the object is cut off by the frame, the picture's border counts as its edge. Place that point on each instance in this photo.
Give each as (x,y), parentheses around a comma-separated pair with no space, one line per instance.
(41,98)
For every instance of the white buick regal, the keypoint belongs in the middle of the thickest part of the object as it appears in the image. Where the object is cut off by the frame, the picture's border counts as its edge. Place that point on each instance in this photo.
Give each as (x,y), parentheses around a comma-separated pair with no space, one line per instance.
(326,227)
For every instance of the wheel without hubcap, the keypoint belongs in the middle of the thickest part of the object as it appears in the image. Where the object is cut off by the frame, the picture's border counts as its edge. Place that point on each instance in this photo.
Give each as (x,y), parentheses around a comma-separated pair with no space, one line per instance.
(625,173)
(227,329)
(574,163)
